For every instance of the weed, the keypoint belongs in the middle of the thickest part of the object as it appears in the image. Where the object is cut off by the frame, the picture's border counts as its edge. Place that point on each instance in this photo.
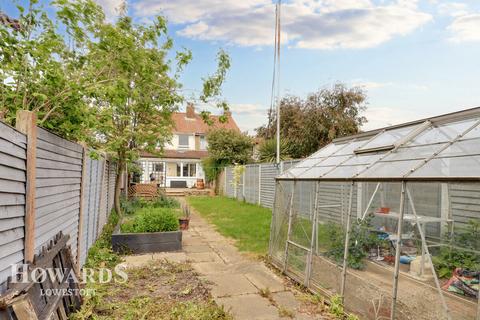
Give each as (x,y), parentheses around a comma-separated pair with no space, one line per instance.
(285,312)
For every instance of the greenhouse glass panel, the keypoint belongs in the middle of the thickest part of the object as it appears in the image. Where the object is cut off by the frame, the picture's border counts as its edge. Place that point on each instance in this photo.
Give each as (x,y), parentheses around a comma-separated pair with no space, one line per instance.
(450,167)
(388,138)
(391,169)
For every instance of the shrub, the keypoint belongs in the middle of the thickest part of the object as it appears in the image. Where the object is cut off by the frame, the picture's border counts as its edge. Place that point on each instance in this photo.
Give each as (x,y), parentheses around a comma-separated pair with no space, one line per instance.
(151,220)
(164,202)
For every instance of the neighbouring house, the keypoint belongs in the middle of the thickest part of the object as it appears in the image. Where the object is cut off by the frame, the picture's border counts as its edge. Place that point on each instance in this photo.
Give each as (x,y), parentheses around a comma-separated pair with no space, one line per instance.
(180,165)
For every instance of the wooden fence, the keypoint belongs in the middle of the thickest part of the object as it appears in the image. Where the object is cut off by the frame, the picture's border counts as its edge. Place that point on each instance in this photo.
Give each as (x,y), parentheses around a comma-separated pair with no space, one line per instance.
(47,185)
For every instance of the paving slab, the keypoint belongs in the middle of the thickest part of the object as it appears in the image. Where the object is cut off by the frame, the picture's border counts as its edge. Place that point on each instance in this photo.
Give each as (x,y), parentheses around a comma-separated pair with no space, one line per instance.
(203,257)
(223,285)
(265,280)
(134,261)
(249,307)
(178,257)
(210,267)
(286,299)
(196,248)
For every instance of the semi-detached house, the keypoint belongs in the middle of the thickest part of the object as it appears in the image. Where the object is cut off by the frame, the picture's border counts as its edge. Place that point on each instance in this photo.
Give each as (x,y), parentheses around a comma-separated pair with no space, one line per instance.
(180,165)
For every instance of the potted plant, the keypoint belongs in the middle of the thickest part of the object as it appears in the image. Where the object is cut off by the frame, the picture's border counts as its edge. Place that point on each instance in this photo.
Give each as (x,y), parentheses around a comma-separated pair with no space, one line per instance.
(184,221)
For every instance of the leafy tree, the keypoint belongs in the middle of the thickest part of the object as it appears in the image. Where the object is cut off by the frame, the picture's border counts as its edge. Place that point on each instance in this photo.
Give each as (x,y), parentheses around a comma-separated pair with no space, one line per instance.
(226,147)
(229,146)
(141,88)
(43,66)
(309,124)
(268,150)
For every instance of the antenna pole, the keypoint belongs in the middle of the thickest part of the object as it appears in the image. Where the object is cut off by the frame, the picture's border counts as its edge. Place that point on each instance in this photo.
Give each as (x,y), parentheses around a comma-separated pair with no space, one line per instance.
(278,79)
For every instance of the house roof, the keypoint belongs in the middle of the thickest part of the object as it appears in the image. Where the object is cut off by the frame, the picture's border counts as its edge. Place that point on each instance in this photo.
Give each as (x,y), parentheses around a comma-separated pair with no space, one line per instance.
(177,154)
(440,148)
(198,125)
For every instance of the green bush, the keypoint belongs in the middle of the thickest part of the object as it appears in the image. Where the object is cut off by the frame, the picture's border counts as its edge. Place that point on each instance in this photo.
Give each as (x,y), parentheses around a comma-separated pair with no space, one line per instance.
(151,219)
(164,202)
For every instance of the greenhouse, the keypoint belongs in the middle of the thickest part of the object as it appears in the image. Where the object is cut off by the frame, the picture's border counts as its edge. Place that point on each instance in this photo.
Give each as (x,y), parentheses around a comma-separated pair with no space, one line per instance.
(387,219)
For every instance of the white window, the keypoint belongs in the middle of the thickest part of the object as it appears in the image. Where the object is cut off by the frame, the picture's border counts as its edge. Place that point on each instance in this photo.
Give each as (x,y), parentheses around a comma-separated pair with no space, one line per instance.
(183,140)
(186,170)
(203,143)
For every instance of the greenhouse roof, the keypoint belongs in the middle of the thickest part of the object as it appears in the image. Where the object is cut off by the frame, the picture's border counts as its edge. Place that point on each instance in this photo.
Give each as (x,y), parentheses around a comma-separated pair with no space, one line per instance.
(445,147)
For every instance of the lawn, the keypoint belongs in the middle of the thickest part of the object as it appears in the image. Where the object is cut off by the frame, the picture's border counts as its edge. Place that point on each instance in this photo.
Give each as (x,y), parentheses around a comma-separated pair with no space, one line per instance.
(248,224)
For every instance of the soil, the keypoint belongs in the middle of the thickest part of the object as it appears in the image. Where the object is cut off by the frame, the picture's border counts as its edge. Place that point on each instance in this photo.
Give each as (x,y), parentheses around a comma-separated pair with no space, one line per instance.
(160,290)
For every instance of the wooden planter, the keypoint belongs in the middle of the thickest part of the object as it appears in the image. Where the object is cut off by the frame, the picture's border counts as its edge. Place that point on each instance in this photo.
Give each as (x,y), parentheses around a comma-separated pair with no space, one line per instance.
(146,242)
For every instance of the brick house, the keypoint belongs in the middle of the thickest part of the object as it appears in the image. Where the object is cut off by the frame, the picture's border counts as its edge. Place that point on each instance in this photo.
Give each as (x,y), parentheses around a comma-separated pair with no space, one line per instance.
(180,165)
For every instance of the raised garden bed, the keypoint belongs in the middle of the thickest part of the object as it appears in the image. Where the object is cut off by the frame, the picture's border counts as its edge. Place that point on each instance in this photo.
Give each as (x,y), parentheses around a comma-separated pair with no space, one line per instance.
(149,227)
(146,242)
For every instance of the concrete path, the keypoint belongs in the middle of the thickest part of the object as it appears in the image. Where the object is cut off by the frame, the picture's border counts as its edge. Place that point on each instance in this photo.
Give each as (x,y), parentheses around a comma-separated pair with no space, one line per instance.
(245,287)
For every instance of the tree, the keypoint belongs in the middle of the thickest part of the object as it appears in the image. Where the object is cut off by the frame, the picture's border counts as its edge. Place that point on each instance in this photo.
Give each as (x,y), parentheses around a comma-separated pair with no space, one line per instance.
(268,150)
(139,93)
(226,147)
(311,123)
(43,66)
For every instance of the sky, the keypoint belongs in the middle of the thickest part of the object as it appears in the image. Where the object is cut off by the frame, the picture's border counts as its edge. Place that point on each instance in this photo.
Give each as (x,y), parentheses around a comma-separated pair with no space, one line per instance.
(414,58)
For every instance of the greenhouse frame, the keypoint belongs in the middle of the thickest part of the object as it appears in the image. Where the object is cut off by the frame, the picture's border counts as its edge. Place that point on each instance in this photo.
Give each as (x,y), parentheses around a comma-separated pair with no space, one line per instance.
(387,219)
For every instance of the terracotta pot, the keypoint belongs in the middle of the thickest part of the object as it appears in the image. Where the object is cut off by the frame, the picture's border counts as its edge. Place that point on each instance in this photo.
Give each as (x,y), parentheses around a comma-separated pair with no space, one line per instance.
(184,223)
(200,184)
(384,210)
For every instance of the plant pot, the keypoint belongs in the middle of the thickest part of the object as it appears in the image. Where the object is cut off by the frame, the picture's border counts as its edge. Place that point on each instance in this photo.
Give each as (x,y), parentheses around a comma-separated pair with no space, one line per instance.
(184,223)
(384,210)
(200,184)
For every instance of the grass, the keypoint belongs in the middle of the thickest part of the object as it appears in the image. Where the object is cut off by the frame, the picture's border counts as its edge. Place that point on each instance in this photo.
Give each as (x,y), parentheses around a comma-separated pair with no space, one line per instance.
(248,224)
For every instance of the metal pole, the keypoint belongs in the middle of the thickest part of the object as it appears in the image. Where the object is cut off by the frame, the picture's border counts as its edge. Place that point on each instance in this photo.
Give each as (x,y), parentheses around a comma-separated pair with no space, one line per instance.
(397,252)
(425,250)
(308,272)
(278,80)
(290,216)
(347,243)
(371,201)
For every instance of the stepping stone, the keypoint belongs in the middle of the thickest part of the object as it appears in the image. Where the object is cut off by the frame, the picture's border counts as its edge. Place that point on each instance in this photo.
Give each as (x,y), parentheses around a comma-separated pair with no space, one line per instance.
(229,285)
(249,307)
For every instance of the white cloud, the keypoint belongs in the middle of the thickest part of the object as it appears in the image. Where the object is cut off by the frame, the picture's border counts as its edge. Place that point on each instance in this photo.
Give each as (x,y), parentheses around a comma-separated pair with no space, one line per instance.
(465,28)
(369,85)
(453,9)
(379,117)
(323,24)
(110,7)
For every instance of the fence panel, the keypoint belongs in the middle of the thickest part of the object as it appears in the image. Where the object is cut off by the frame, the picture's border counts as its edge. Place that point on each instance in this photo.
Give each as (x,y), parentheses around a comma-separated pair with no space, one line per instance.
(229,189)
(267,184)
(252,183)
(58,181)
(12,198)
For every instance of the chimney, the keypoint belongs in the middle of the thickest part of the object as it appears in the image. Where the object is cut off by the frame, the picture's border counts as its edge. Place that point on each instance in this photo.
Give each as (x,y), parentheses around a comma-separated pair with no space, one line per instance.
(190,110)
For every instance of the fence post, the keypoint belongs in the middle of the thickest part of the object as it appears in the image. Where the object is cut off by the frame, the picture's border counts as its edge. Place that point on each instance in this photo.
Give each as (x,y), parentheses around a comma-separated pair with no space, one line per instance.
(243,182)
(102,196)
(82,209)
(260,184)
(26,122)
